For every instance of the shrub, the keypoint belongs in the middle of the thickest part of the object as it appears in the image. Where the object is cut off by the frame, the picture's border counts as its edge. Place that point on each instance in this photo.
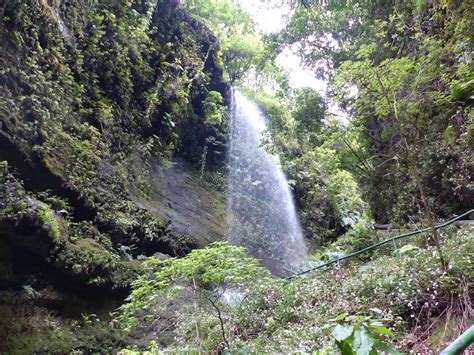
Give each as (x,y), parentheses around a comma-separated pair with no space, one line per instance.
(185,291)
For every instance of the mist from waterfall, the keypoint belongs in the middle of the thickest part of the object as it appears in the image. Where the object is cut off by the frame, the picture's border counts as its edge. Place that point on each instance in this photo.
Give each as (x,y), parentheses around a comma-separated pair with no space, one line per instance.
(260,208)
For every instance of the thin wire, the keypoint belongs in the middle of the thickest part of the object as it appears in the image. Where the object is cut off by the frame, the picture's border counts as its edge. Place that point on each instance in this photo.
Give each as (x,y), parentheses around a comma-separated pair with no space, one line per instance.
(386,241)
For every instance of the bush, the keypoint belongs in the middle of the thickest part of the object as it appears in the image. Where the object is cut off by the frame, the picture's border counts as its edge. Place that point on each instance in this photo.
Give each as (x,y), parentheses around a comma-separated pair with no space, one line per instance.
(292,316)
(360,236)
(190,294)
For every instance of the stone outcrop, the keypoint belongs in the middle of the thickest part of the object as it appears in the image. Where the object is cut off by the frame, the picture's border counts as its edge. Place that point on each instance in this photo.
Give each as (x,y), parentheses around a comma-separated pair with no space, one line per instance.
(84,119)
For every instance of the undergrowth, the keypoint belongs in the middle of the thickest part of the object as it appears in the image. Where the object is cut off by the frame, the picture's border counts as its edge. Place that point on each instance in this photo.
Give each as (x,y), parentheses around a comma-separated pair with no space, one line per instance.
(414,298)
(401,300)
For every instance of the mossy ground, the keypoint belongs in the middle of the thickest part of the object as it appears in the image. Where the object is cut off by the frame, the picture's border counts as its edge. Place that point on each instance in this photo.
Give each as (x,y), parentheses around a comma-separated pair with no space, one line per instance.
(30,323)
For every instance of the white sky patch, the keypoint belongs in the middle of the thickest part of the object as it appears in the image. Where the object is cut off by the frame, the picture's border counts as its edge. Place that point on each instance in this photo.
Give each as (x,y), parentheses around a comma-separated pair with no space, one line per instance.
(271,16)
(299,76)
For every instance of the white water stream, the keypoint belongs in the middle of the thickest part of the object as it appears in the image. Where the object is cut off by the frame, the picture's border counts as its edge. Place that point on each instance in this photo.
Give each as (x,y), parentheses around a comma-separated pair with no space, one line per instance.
(260,208)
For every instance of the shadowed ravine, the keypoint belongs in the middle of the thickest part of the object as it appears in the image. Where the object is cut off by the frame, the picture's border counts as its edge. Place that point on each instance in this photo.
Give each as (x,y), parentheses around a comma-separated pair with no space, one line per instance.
(260,208)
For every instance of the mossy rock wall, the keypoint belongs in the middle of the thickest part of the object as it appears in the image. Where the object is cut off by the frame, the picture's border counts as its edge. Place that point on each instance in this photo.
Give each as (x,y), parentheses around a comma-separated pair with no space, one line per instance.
(92,93)
(192,205)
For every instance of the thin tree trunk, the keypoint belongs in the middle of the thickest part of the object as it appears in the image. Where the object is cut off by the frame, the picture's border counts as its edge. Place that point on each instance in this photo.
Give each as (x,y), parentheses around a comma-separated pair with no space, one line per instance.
(416,174)
(424,201)
(221,321)
(196,309)
(419,184)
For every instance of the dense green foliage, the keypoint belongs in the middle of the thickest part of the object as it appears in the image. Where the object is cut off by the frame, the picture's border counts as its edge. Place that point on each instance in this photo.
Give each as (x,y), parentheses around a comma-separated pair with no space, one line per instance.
(241,47)
(386,66)
(403,70)
(91,101)
(406,294)
(199,282)
(94,95)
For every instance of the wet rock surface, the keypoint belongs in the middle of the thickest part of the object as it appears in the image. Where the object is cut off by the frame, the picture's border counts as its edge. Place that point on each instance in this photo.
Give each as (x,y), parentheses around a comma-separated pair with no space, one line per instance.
(191,206)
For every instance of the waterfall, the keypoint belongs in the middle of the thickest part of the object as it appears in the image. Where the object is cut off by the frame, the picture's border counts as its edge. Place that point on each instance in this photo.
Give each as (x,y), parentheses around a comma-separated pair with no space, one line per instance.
(52,11)
(261,214)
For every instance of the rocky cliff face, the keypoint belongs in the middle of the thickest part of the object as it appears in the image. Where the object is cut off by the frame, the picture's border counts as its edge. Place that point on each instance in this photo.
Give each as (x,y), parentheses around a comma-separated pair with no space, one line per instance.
(93,96)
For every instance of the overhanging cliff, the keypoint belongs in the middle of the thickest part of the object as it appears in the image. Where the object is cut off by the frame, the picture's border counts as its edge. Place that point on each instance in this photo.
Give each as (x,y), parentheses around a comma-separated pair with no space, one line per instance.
(92,96)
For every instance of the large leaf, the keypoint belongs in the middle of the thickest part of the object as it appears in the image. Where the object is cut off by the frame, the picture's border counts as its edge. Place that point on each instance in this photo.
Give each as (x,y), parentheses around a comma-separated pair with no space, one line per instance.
(363,341)
(345,348)
(342,331)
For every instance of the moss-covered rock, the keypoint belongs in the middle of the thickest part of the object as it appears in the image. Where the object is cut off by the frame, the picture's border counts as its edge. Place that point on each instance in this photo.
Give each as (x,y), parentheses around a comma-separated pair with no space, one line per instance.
(190,204)
(90,95)
(33,225)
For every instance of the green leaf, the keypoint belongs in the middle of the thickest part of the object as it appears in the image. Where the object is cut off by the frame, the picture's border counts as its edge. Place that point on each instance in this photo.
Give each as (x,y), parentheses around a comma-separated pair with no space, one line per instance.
(341,316)
(381,329)
(363,342)
(342,331)
(345,348)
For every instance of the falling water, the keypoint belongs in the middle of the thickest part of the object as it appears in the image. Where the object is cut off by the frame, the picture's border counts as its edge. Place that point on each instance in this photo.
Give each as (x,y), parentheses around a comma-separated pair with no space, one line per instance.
(54,13)
(260,209)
